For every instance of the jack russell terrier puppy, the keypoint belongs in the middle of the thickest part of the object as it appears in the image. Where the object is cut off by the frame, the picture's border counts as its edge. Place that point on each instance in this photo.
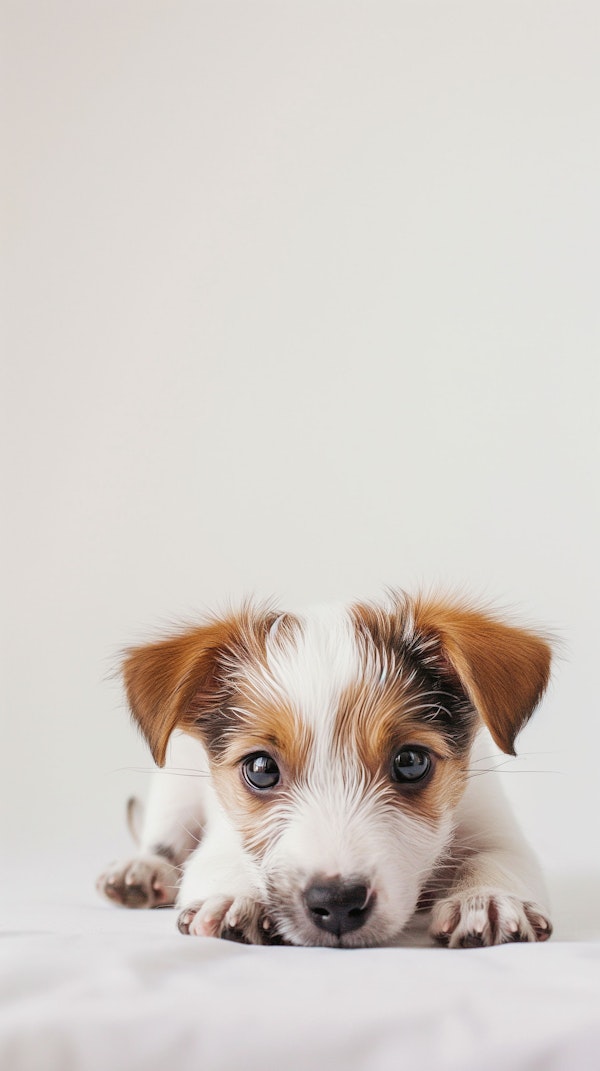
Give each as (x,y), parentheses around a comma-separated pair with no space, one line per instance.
(325,778)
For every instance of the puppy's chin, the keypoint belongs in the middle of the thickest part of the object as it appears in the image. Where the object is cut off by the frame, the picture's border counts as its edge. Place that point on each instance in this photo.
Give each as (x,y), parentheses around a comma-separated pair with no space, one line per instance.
(310,936)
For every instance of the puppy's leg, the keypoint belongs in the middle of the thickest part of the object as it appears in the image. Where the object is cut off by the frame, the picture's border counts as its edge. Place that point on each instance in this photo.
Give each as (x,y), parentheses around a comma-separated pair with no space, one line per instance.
(497,894)
(169,830)
(222,893)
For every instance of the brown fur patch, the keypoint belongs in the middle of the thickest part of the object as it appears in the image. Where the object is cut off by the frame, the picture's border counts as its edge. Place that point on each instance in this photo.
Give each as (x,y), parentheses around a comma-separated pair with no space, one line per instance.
(467,660)
(276,730)
(503,670)
(413,683)
(183,680)
(374,725)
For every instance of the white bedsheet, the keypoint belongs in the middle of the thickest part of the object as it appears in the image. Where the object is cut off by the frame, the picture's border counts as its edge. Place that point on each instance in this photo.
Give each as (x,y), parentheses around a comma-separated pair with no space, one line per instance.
(91,987)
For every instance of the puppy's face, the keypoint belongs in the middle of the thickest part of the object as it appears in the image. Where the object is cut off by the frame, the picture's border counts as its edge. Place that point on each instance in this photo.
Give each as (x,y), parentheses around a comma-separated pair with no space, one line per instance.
(340,762)
(339,745)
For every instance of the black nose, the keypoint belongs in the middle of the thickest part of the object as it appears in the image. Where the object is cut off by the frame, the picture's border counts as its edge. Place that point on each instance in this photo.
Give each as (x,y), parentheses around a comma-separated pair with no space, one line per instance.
(338,907)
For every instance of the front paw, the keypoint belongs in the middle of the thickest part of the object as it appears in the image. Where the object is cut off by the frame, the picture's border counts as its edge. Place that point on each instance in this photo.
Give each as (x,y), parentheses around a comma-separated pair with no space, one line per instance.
(148,881)
(476,918)
(240,918)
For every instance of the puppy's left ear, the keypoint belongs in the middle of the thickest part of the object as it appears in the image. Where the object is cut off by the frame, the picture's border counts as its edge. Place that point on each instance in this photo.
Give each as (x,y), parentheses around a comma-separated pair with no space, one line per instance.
(502,669)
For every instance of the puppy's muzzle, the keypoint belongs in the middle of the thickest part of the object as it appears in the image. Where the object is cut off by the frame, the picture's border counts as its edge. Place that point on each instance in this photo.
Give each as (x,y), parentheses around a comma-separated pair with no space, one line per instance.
(337,906)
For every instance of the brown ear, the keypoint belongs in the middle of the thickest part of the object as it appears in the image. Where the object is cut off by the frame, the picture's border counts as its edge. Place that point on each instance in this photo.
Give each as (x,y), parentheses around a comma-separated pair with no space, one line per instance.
(503,670)
(169,683)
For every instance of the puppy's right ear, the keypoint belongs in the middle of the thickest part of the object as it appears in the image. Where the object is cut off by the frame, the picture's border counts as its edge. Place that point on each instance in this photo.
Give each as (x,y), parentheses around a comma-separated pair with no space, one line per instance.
(169,683)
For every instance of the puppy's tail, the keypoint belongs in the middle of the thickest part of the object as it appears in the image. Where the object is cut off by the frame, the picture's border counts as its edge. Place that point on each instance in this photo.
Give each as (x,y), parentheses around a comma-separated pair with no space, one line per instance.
(135,818)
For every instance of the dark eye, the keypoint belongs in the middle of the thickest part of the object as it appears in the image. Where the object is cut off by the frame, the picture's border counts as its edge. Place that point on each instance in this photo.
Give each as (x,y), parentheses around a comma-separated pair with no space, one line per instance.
(260,771)
(410,764)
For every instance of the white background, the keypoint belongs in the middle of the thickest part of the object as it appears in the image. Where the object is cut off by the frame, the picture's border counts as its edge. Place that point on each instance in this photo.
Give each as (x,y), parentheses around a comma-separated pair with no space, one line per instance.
(302,299)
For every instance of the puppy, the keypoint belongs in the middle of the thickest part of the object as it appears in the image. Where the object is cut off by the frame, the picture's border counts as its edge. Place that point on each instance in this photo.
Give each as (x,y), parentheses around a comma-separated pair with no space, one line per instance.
(327,775)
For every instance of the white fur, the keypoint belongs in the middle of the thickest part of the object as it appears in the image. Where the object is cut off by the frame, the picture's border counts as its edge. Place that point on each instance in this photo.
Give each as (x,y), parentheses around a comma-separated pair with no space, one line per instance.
(313,670)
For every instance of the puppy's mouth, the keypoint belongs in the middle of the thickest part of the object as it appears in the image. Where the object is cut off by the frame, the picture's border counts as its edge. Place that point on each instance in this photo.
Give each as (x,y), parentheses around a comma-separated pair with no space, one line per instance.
(330,914)
(295,930)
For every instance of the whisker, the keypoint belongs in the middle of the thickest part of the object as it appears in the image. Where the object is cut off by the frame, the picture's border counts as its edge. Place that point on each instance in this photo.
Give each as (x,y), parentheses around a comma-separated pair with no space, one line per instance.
(514,758)
(480,773)
(179,772)
(190,834)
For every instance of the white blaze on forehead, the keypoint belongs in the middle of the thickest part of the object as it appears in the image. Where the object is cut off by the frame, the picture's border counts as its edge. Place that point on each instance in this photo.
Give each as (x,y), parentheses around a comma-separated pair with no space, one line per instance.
(314,665)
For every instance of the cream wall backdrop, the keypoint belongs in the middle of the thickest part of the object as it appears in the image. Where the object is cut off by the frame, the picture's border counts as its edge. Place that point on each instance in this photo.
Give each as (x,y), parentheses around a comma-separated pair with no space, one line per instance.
(301,299)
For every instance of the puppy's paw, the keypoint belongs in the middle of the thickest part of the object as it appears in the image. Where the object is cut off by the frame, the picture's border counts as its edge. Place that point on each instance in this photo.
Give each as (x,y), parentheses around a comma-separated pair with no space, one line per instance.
(476,918)
(240,918)
(148,881)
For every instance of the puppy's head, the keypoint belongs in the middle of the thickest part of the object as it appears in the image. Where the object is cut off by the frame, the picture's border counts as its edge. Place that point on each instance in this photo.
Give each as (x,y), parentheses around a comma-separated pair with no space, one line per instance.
(339,743)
